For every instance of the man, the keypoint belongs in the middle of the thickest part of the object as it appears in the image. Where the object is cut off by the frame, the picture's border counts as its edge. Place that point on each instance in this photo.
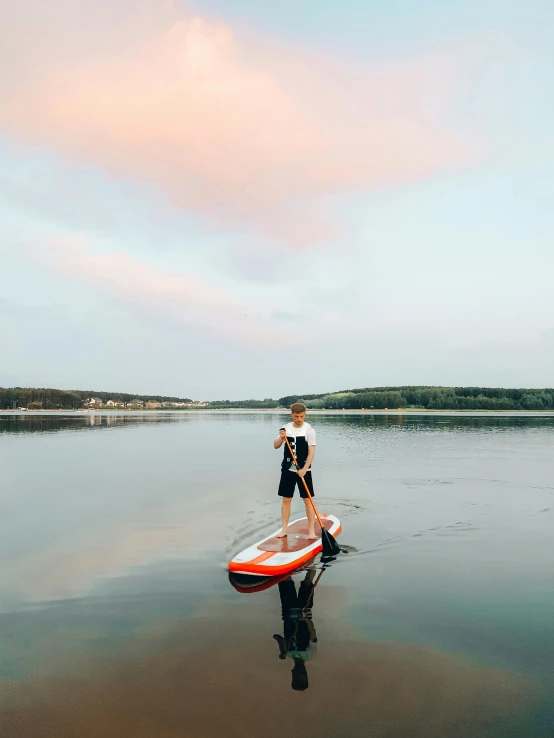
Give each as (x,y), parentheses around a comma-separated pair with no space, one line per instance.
(301,437)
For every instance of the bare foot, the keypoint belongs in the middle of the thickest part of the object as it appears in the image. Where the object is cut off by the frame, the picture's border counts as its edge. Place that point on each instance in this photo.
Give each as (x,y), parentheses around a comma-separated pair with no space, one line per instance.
(312,537)
(282,535)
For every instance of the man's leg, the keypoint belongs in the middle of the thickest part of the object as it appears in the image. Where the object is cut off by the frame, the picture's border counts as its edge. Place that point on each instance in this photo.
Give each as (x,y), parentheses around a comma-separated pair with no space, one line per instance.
(286,491)
(285,515)
(311,520)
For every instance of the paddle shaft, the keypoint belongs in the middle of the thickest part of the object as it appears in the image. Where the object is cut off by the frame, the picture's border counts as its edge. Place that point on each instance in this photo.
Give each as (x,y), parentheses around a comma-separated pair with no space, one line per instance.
(305,485)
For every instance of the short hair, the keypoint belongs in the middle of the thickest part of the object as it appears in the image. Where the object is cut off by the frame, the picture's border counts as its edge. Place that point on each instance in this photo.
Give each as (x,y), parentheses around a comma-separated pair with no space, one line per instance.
(298,407)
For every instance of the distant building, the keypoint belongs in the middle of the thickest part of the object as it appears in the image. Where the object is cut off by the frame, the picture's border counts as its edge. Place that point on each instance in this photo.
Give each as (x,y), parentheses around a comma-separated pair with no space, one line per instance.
(135,404)
(93,402)
(153,404)
(115,403)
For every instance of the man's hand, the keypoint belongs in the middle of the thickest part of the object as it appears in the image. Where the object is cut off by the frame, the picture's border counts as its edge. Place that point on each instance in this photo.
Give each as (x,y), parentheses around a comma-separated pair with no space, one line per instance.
(302,472)
(278,442)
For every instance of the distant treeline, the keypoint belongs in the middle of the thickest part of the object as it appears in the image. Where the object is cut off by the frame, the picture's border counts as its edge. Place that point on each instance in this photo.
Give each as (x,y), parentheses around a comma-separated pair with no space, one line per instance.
(52,399)
(378,398)
(431,398)
(222,404)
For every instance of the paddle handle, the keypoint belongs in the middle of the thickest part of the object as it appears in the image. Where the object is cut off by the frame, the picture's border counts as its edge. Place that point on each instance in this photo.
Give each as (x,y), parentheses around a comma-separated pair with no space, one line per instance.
(304,481)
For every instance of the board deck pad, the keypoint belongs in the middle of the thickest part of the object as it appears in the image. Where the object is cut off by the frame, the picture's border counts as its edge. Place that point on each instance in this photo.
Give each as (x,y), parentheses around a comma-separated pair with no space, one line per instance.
(274,556)
(297,537)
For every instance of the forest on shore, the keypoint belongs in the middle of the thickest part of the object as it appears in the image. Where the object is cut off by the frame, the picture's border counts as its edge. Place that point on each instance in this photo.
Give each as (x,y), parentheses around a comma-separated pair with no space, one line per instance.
(367,398)
(40,398)
(429,398)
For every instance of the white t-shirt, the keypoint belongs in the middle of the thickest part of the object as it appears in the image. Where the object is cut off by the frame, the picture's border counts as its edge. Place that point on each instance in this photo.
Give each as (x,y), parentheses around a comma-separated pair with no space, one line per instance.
(305,430)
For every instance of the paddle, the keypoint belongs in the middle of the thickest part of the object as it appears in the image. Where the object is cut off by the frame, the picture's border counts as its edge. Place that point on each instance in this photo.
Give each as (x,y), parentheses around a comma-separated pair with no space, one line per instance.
(330,546)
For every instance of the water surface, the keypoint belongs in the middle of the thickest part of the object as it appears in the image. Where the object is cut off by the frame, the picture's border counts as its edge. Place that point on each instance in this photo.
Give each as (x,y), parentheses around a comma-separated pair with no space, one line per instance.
(117,617)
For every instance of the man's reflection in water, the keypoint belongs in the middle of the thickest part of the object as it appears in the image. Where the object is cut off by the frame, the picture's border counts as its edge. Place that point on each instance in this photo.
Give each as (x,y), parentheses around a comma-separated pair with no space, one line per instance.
(298,642)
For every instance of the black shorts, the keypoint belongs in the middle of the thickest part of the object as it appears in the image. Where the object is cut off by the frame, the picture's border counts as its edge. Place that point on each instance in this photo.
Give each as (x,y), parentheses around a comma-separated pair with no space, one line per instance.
(289,480)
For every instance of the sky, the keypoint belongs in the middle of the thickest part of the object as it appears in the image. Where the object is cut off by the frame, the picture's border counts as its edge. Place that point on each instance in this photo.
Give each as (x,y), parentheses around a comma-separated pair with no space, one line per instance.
(235,199)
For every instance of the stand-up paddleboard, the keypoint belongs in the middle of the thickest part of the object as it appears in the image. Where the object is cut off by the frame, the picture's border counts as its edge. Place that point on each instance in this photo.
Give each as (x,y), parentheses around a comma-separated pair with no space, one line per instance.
(275,556)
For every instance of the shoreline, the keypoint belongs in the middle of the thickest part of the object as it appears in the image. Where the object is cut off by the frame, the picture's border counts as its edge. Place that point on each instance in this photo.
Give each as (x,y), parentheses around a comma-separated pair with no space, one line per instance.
(277,411)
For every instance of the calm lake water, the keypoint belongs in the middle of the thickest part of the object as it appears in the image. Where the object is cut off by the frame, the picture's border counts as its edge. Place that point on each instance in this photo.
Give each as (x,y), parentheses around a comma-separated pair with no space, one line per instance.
(118,619)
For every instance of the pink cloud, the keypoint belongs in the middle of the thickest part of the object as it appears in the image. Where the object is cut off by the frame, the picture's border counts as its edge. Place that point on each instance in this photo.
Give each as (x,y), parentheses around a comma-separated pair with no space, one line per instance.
(129,278)
(182,298)
(244,132)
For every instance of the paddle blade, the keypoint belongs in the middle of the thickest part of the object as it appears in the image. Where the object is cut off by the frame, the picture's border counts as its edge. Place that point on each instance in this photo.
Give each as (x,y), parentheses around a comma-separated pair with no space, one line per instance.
(330,546)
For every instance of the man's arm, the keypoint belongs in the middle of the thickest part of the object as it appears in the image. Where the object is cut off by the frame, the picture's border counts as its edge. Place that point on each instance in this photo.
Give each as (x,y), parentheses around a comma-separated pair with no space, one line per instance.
(309,459)
(278,442)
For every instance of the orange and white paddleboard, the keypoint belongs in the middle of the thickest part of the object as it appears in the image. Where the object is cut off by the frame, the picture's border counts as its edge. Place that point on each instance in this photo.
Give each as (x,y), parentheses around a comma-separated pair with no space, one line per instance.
(275,556)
